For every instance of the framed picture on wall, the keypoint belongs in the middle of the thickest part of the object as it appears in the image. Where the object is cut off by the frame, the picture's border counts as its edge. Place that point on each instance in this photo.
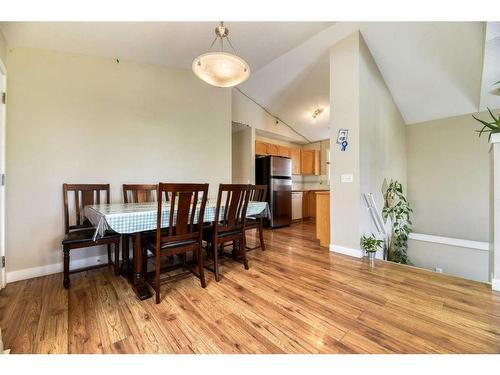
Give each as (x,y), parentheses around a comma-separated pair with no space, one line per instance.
(342,136)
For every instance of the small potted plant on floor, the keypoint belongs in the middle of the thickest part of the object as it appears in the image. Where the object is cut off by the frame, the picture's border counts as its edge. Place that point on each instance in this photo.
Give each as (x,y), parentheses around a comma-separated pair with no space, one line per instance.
(370,245)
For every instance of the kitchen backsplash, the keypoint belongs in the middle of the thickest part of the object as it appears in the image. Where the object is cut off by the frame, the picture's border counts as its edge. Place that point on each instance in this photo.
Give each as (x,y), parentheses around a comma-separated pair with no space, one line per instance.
(310,182)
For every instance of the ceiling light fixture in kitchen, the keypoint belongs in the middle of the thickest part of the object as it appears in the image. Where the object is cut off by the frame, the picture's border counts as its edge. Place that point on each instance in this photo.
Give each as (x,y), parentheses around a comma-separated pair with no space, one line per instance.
(317,112)
(221,69)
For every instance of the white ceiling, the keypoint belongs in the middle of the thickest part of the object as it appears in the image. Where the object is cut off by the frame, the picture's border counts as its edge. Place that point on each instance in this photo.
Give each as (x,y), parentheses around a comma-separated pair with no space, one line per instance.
(433,69)
(166,43)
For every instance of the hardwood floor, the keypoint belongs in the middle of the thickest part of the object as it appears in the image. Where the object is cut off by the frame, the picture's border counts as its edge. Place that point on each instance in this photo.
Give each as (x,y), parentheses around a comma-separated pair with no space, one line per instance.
(296,298)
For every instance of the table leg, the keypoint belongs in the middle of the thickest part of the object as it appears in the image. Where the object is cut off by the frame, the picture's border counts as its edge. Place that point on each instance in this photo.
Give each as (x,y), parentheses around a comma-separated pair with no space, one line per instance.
(139,284)
(126,268)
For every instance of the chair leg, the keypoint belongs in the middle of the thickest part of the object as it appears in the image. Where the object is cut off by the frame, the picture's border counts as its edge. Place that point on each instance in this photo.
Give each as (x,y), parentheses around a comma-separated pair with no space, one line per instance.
(216,259)
(261,235)
(66,251)
(116,247)
(243,252)
(157,278)
(109,254)
(199,256)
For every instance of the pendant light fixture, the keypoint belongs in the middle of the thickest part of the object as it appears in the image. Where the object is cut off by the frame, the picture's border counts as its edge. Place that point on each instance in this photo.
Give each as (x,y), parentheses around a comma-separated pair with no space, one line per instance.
(221,69)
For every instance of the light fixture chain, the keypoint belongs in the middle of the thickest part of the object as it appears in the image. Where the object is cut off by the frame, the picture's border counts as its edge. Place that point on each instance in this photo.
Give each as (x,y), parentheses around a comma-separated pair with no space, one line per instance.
(231,44)
(211,45)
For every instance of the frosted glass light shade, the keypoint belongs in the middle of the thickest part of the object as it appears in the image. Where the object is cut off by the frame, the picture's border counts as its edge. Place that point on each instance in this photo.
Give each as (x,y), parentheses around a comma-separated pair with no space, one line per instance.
(221,69)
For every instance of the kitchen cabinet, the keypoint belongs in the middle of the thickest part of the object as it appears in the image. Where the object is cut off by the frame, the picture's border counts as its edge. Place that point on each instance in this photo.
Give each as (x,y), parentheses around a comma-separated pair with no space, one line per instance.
(297,205)
(296,162)
(323,217)
(272,149)
(310,163)
(304,162)
(309,204)
(260,148)
(283,151)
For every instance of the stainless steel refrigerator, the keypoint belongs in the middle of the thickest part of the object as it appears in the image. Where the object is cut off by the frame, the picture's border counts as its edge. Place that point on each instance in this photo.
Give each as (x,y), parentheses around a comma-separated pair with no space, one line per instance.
(276,173)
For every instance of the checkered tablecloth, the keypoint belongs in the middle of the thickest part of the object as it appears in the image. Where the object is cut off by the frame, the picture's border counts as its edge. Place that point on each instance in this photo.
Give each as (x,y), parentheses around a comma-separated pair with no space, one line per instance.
(127,218)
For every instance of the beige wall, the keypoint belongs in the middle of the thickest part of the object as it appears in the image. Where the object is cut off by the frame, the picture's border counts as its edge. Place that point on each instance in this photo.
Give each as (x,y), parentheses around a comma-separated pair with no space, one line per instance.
(453,260)
(247,112)
(448,178)
(243,151)
(3,49)
(448,187)
(82,119)
(382,136)
(362,103)
(344,100)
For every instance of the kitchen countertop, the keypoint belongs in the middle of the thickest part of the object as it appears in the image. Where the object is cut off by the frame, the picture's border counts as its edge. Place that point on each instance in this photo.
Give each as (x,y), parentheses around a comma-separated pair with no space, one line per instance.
(304,190)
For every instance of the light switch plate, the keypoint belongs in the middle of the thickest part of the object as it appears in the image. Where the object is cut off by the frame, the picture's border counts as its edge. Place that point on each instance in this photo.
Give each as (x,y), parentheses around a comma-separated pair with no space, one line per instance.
(346,178)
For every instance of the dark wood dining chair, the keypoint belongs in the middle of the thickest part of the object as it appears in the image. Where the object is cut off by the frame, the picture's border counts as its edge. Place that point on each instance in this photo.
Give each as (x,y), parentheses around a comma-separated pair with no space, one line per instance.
(139,193)
(78,229)
(229,224)
(184,232)
(258,193)
(135,193)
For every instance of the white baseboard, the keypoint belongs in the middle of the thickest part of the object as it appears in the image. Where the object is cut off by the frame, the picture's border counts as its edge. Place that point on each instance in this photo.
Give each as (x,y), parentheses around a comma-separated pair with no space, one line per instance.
(29,273)
(495,284)
(346,251)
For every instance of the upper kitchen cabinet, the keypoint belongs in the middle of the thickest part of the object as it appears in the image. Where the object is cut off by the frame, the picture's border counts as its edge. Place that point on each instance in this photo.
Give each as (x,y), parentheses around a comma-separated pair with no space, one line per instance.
(310,162)
(296,162)
(283,151)
(272,149)
(260,148)
(264,148)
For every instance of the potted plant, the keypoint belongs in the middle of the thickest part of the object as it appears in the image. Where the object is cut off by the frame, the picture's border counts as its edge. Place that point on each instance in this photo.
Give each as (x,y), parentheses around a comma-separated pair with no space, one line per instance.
(398,210)
(492,127)
(371,244)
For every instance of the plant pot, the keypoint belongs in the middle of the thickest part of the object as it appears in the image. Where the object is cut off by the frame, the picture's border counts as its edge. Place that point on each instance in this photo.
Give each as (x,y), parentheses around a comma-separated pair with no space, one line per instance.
(371,255)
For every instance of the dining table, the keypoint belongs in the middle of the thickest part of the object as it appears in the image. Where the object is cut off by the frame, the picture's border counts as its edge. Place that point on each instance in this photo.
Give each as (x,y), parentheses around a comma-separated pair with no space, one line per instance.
(138,218)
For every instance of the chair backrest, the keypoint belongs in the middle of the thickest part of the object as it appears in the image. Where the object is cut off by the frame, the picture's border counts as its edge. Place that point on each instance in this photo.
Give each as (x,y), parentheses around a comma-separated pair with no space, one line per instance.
(258,193)
(133,193)
(186,211)
(231,208)
(83,195)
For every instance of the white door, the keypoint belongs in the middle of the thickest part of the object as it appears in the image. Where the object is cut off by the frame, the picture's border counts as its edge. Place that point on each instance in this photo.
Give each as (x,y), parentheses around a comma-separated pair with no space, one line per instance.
(2,178)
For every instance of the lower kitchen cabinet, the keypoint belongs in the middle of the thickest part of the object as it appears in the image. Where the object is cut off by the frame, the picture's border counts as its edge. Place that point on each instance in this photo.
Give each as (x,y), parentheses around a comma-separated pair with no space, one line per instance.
(309,205)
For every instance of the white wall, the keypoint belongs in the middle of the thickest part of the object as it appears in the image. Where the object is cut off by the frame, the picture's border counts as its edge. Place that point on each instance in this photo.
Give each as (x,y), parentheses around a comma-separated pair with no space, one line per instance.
(80,119)
(362,103)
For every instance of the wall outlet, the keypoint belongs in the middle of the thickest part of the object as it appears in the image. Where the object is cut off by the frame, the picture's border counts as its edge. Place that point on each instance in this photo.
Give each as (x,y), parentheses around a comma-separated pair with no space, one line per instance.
(346,178)
(438,270)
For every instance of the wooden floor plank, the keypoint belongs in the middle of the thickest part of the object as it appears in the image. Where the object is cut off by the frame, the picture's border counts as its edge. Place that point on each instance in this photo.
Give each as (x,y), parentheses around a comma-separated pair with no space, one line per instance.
(296,298)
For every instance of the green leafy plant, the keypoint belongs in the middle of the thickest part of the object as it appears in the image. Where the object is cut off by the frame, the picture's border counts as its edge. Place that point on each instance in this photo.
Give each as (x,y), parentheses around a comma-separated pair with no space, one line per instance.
(370,243)
(397,209)
(489,127)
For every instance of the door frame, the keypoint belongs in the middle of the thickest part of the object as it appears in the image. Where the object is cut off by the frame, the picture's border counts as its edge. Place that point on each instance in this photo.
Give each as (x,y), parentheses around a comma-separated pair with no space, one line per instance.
(3,120)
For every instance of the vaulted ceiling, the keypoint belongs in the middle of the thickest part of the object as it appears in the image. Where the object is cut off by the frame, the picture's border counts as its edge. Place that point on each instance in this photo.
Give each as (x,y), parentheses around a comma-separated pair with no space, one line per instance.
(433,69)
